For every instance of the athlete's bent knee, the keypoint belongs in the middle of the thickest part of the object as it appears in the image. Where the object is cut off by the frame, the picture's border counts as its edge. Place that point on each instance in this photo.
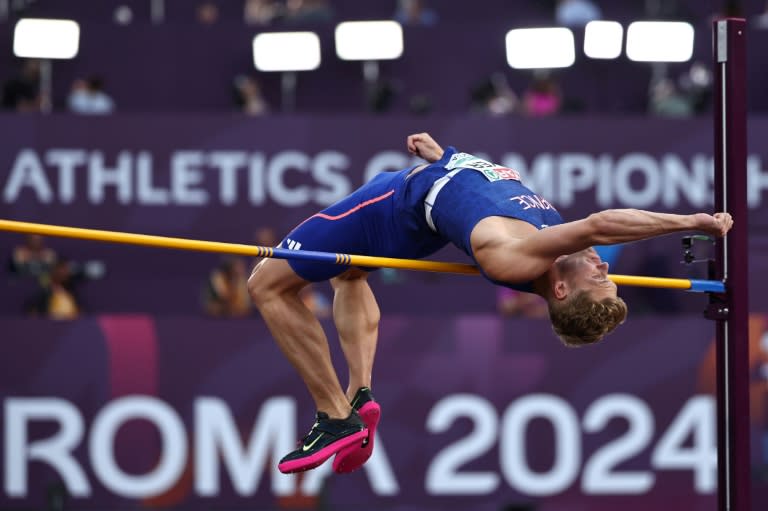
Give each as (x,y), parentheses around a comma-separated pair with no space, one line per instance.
(271,279)
(260,286)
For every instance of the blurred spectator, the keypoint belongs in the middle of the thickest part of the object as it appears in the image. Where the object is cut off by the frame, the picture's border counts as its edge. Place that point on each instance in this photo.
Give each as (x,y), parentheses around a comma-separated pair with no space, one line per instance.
(262,12)
(19,8)
(122,15)
(543,97)
(316,301)
(415,12)
(759,394)
(421,104)
(576,13)
(207,13)
(390,276)
(53,279)
(248,96)
(511,303)
(22,91)
(732,9)
(494,96)
(667,101)
(87,97)
(32,258)
(308,11)
(761,20)
(696,84)
(381,95)
(56,298)
(265,237)
(226,293)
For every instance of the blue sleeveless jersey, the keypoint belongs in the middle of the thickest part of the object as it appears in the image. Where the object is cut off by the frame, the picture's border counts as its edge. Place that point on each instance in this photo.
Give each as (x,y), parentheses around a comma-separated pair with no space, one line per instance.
(412,215)
(473,189)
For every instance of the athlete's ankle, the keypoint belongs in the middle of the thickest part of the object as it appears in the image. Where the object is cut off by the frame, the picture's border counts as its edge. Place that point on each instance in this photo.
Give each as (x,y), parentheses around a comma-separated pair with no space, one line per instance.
(353,389)
(338,414)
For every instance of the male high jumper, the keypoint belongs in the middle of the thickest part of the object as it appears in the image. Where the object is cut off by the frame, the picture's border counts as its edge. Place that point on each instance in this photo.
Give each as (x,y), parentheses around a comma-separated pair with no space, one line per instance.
(516,237)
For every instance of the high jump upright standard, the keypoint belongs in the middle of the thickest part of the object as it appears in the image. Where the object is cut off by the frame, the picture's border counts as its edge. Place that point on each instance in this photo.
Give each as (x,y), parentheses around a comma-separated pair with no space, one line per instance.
(731,309)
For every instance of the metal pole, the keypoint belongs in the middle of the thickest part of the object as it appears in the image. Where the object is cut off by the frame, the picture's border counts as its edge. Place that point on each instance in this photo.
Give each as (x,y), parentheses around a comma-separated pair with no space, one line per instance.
(288,91)
(46,86)
(731,310)
(370,80)
(157,11)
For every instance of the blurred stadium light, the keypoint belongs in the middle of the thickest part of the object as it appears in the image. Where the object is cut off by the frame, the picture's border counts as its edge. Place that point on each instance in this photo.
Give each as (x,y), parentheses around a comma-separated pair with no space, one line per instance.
(660,41)
(369,40)
(540,48)
(287,52)
(46,38)
(603,39)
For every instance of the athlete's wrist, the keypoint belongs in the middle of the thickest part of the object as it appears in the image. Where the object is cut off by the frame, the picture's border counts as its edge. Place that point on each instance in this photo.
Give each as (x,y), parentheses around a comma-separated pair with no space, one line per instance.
(702,222)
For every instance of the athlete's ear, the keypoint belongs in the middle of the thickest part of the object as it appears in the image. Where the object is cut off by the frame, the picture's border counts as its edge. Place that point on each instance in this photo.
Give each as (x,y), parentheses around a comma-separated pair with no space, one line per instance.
(560,289)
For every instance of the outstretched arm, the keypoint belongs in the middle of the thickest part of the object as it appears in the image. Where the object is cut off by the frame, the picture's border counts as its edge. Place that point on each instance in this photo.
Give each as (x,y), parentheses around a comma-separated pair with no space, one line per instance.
(623,225)
(534,253)
(424,146)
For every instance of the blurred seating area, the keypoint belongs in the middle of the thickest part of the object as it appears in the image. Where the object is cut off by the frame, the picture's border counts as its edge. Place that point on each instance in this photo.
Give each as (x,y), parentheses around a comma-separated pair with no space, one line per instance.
(194,55)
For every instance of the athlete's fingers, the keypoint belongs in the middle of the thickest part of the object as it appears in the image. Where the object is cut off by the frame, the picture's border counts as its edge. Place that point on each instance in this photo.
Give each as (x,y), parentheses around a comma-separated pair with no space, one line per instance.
(424,146)
(726,217)
(411,143)
(417,144)
(724,222)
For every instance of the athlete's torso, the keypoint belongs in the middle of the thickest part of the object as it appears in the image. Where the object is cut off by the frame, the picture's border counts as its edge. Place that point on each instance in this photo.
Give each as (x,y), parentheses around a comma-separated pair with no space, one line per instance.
(467,189)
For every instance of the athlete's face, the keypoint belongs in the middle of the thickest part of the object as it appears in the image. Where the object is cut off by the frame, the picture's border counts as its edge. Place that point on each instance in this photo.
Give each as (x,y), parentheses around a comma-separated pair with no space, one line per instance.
(585,271)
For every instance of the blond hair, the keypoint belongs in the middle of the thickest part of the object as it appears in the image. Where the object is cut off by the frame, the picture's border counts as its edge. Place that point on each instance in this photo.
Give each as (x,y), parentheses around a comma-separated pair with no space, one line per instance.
(581,320)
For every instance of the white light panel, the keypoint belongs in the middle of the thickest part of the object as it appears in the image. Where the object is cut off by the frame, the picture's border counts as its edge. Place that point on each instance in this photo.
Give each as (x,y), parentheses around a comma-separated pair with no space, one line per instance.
(660,41)
(540,48)
(369,40)
(286,51)
(603,39)
(46,38)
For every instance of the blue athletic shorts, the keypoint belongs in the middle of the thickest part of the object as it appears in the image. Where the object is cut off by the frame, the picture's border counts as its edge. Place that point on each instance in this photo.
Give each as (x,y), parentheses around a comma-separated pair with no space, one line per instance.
(383,218)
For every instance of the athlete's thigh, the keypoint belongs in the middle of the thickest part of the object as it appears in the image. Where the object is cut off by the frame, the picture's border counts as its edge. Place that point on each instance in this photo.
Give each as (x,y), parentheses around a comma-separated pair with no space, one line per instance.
(340,228)
(319,234)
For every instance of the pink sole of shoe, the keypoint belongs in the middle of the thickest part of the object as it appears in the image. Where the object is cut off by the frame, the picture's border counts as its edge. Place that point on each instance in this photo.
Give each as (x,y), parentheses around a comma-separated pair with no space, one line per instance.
(353,457)
(317,459)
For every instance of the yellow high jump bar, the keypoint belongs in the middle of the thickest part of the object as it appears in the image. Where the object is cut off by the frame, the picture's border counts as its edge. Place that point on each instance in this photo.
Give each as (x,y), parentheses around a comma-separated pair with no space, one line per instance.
(324,257)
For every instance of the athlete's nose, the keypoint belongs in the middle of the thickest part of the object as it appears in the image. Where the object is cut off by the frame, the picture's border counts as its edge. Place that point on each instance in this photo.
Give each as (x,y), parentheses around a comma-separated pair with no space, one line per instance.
(603,267)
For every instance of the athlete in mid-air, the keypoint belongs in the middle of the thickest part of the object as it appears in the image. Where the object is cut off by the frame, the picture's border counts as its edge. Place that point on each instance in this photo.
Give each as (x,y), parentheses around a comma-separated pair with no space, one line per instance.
(516,237)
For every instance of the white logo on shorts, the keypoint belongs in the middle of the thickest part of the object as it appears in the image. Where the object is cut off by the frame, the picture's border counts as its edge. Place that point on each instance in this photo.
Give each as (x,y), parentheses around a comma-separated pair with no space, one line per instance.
(292,245)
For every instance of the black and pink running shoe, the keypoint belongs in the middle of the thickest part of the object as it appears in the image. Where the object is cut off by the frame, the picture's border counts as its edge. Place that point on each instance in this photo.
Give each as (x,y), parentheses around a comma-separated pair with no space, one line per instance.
(326,438)
(353,457)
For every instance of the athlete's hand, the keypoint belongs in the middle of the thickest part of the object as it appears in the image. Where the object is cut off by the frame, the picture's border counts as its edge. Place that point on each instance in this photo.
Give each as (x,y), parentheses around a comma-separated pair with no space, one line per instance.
(718,224)
(424,146)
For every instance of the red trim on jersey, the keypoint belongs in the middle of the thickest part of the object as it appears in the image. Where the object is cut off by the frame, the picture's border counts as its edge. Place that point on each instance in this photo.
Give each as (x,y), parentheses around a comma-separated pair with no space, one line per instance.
(352,210)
